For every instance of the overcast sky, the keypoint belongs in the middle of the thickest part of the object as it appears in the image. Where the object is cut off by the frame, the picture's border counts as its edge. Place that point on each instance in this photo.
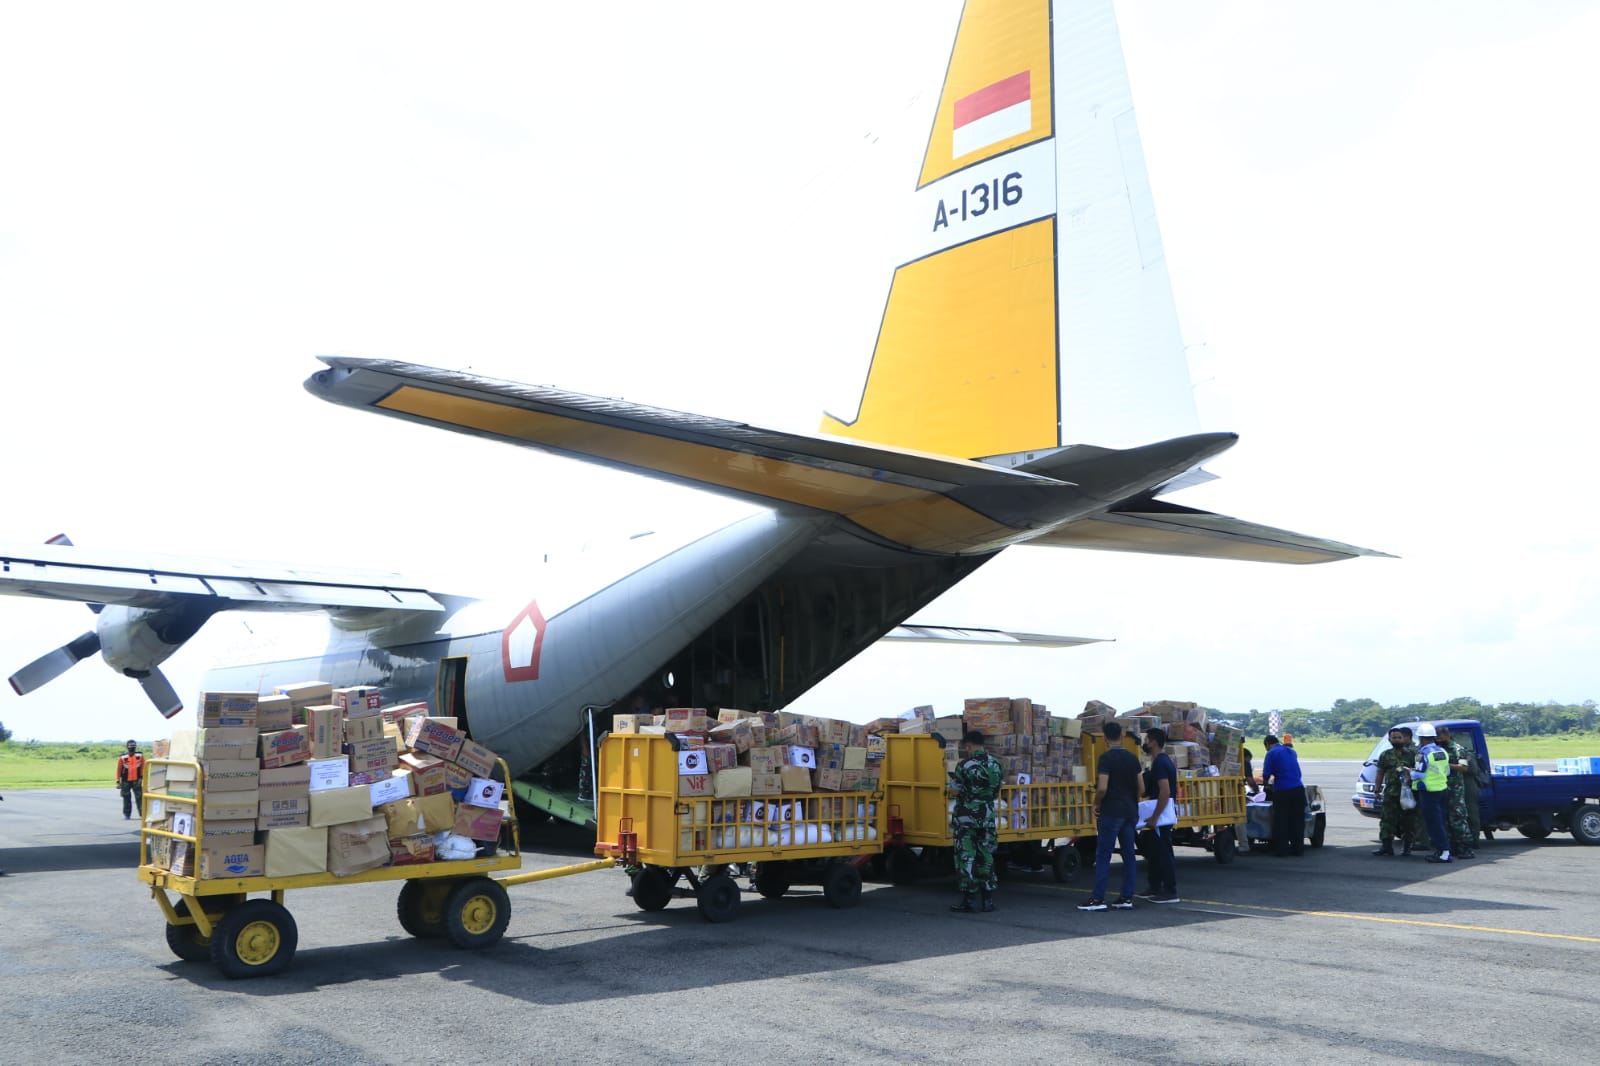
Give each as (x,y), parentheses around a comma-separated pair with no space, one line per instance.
(1380,221)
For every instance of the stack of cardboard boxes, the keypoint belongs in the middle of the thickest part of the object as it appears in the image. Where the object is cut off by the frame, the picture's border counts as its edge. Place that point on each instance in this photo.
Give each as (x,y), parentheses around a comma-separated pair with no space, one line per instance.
(313,780)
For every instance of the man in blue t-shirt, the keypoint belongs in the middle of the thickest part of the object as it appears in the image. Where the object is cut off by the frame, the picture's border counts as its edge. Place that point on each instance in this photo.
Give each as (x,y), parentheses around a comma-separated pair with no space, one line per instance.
(1116,807)
(1280,772)
(1161,785)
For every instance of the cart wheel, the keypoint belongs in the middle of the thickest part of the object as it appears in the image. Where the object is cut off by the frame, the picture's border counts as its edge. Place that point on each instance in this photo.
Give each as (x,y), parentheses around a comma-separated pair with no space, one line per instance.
(421,907)
(771,880)
(255,939)
(652,888)
(901,865)
(1226,846)
(718,898)
(1319,829)
(1064,862)
(476,913)
(841,885)
(186,941)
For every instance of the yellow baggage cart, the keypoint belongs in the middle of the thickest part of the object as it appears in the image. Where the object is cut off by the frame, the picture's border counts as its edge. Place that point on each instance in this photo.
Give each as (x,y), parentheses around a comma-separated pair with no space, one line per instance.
(1210,809)
(216,918)
(664,827)
(1031,821)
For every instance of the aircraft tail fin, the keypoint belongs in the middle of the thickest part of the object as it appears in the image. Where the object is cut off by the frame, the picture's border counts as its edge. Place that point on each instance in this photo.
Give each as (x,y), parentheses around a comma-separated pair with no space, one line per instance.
(1031,306)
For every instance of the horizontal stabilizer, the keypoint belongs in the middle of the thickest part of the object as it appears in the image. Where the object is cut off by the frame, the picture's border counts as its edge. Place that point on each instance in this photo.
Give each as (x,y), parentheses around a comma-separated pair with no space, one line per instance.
(1157,528)
(921,634)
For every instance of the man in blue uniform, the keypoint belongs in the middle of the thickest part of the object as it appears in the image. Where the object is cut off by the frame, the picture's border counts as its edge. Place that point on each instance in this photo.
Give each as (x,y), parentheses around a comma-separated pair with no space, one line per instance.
(1432,780)
(1280,772)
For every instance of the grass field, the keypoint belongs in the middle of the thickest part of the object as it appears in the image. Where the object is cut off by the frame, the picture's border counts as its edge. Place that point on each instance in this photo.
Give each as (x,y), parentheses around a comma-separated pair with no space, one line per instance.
(36,765)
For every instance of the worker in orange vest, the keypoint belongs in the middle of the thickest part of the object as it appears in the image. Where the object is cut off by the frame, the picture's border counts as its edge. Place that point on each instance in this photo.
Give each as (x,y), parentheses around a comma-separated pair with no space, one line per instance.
(130,779)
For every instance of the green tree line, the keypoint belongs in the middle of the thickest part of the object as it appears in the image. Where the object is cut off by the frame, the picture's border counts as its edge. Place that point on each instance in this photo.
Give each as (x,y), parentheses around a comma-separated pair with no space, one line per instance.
(1369,718)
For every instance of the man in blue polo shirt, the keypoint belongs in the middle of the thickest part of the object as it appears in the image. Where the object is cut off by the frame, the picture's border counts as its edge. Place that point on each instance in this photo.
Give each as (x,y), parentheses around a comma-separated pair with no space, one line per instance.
(1280,772)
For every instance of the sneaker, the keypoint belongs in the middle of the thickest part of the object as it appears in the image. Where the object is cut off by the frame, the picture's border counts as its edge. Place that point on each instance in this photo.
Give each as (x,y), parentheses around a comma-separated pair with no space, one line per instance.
(1148,893)
(1123,903)
(1439,858)
(1096,904)
(1167,898)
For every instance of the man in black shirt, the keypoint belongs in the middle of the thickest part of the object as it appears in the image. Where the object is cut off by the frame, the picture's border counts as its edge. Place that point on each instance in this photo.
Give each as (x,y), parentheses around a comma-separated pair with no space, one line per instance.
(1116,807)
(1161,785)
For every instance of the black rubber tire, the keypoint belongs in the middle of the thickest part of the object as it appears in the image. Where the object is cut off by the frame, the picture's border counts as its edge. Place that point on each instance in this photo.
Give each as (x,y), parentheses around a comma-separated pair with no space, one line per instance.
(841,885)
(652,888)
(1533,829)
(771,880)
(186,941)
(420,907)
(718,898)
(476,913)
(1065,862)
(1225,847)
(1319,829)
(255,939)
(902,866)
(1585,823)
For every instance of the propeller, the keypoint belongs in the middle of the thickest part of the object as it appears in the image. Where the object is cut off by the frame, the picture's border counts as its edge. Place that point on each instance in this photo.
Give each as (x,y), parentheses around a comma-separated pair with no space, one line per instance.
(48,667)
(161,693)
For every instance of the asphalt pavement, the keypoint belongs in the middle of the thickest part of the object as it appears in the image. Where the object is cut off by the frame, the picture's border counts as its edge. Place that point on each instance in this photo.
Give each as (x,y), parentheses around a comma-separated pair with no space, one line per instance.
(1334,957)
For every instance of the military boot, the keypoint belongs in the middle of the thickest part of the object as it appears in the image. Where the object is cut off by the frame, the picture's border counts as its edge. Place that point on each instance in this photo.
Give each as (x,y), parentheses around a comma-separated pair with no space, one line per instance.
(964,905)
(1407,849)
(1387,848)
(988,900)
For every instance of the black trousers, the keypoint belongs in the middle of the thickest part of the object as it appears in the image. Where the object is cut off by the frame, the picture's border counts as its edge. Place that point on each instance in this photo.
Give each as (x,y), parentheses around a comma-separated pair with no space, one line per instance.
(1288,820)
(132,798)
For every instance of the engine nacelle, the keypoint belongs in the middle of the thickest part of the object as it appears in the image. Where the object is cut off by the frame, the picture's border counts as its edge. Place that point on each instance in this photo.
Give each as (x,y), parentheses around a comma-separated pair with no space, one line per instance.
(134,641)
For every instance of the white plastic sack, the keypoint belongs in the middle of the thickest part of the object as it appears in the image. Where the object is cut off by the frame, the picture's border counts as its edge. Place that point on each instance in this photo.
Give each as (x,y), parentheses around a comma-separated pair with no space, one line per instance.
(1148,807)
(448,846)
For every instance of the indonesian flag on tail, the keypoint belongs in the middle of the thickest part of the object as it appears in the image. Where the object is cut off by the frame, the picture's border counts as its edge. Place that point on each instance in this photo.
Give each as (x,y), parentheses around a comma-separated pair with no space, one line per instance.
(993,113)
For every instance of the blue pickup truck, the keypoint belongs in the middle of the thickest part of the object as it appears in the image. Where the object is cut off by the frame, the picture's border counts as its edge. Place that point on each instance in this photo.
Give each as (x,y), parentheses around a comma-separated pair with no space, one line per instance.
(1534,806)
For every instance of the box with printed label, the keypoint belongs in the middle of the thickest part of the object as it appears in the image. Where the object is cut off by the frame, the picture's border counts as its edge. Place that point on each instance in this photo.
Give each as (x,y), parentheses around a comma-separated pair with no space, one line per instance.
(476,758)
(456,778)
(484,793)
(236,709)
(271,805)
(326,774)
(182,860)
(373,756)
(721,756)
(306,692)
(766,784)
(367,727)
(766,760)
(694,784)
(302,850)
(357,698)
(406,851)
(420,814)
(285,747)
(357,846)
(395,712)
(389,789)
(804,758)
(229,806)
(693,761)
(231,775)
(1514,769)
(796,778)
(285,781)
(249,860)
(225,744)
(828,780)
(625,723)
(478,823)
(427,773)
(335,806)
(274,713)
(327,730)
(433,737)
(282,821)
(740,733)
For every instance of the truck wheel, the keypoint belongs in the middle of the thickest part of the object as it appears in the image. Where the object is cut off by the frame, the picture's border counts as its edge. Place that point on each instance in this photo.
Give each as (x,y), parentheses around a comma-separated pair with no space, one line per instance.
(1585,822)
(652,888)
(476,913)
(1533,829)
(1226,846)
(255,939)
(841,885)
(1319,828)
(718,898)
(420,907)
(1064,862)
(901,866)
(771,880)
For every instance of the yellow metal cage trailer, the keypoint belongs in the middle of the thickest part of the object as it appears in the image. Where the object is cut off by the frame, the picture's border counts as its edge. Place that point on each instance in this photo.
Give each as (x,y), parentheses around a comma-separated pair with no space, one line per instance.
(216,918)
(1032,822)
(1211,810)
(665,828)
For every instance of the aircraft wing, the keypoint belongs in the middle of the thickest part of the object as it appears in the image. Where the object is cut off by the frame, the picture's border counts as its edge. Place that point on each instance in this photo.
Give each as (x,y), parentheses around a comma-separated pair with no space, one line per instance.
(914,633)
(151,581)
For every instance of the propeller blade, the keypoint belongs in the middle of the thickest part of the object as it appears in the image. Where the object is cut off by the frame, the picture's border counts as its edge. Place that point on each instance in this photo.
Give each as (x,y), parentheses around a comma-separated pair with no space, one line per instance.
(161,693)
(47,668)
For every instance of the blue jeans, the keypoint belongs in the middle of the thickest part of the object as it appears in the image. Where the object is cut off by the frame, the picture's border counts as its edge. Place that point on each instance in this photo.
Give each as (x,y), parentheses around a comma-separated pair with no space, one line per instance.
(1435,811)
(1115,833)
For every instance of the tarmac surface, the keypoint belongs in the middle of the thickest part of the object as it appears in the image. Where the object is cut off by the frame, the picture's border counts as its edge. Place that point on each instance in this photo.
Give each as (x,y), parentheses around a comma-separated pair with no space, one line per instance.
(1334,957)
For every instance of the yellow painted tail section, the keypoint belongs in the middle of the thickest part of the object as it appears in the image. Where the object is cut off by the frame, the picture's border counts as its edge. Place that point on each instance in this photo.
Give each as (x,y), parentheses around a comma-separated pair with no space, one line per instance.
(966,357)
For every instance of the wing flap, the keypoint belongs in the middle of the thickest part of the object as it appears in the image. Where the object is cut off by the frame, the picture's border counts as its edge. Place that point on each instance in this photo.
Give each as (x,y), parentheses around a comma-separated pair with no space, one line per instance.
(913,633)
(1197,534)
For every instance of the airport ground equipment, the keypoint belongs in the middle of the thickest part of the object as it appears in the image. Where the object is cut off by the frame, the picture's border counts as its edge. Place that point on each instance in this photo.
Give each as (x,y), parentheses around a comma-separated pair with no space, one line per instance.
(1534,803)
(1211,810)
(663,837)
(1034,824)
(217,919)
(1258,820)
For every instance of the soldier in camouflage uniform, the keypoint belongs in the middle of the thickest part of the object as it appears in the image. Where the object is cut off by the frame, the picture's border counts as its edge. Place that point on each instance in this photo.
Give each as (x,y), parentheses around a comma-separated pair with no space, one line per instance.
(1393,819)
(974,785)
(1462,835)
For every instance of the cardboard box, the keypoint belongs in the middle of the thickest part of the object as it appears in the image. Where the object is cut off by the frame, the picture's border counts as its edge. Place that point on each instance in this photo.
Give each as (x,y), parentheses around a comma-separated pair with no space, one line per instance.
(694,784)
(327,730)
(248,860)
(390,789)
(282,821)
(766,784)
(795,778)
(722,756)
(229,806)
(183,823)
(427,773)
(354,847)
(739,733)
(290,852)
(855,759)
(803,758)
(285,781)
(406,851)
(327,774)
(433,737)
(398,711)
(373,756)
(478,823)
(225,744)
(484,793)
(420,814)
(285,747)
(182,744)
(732,782)
(306,692)
(231,775)
(161,749)
(182,861)
(272,805)
(475,758)
(766,760)
(224,709)
(274,713)
(367,727)
(693,761)
(1514,769)
(358,698)
(625,723)
(828,780)
(456,778)
(336,806)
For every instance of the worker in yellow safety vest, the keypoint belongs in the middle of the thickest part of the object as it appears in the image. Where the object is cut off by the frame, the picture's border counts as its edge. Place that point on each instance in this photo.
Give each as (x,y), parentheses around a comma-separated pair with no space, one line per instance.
(1432,781)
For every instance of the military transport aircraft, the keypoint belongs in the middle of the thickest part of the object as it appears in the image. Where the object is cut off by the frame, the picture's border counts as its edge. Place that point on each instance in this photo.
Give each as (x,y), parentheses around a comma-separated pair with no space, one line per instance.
(1030,308)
